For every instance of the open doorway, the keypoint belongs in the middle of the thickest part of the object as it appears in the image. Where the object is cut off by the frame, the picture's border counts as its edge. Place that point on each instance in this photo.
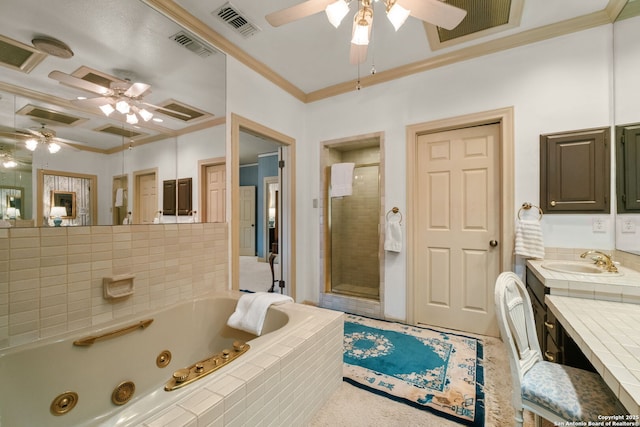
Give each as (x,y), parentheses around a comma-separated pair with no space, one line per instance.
(277,152)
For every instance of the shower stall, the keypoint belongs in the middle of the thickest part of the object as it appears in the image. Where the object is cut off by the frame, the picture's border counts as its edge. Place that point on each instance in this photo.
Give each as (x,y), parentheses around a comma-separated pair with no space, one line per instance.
(352,226)
(355,264)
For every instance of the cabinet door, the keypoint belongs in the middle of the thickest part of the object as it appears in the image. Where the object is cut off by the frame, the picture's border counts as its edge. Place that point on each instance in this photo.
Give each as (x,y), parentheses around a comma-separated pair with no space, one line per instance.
(184,196)
(574,171)
(628,168)
(169,197)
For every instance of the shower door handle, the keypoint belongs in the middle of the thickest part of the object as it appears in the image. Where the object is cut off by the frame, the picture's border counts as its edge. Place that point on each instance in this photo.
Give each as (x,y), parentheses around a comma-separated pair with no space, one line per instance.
(493,243)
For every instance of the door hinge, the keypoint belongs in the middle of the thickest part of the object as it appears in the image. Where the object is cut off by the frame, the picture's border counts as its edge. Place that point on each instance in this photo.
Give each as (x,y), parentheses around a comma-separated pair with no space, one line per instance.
(624,198)
(281,164)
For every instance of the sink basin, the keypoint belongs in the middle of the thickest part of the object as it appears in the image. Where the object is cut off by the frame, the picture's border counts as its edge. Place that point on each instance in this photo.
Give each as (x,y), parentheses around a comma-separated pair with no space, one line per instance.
(577,267)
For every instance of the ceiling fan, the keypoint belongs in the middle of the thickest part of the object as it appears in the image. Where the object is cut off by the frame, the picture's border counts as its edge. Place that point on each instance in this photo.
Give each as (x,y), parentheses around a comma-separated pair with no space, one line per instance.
(434,12)
(33,137)
(8,160)
(124,97)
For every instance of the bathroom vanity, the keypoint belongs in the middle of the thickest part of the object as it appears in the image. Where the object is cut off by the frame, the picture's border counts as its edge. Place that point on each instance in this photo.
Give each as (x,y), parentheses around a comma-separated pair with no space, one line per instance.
(590,320)
(555,344)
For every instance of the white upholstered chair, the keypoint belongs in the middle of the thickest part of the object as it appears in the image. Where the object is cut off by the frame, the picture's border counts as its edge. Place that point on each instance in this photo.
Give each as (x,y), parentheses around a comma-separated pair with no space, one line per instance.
(552,391)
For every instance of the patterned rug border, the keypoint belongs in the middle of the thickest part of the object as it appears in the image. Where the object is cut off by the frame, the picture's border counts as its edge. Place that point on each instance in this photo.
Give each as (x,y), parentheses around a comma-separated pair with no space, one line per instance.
(480,409)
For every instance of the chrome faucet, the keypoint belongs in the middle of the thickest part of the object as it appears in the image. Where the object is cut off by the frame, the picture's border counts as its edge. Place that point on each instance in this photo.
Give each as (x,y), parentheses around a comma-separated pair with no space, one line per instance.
(602,260)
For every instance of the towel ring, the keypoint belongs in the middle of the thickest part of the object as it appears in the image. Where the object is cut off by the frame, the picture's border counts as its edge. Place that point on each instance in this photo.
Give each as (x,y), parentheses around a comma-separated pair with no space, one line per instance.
(527,206)
(394,211)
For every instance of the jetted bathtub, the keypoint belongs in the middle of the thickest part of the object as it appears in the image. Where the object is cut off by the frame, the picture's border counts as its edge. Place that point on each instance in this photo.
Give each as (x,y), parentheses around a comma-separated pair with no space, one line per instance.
(120,381)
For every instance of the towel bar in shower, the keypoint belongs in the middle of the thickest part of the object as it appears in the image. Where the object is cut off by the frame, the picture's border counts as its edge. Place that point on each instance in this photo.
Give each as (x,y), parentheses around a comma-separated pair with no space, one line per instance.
(113,334)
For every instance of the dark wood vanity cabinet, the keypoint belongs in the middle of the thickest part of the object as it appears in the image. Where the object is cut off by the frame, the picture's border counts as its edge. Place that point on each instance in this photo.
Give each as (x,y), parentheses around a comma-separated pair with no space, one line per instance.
(574,171)
(555,344)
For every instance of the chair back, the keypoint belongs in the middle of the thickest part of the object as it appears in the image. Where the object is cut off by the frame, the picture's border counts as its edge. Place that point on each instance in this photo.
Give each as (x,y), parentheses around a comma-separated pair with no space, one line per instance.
(517,328)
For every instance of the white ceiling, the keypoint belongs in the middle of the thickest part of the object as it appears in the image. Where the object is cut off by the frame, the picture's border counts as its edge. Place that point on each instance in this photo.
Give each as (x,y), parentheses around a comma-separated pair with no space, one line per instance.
(312,54)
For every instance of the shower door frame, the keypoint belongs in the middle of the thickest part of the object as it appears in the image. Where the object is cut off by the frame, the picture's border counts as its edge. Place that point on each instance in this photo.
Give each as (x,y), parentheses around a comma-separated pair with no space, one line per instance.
(369,307)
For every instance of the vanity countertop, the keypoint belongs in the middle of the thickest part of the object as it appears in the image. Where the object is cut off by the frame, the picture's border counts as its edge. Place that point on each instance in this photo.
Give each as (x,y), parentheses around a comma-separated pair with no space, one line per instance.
(620,288)
(608,333)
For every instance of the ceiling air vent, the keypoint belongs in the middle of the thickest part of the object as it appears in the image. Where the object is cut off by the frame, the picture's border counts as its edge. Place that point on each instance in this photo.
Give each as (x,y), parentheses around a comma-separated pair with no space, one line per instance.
(190,42)
(19,56)
(233,17)
(50,116)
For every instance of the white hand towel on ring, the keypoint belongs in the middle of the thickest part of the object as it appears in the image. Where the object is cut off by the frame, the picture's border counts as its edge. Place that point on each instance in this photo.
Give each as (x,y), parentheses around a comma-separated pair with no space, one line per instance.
(393,236)
(529,242)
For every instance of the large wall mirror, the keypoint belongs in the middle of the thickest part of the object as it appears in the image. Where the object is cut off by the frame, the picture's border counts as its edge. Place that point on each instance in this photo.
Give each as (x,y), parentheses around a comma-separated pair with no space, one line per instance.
(112,90)
(626,65)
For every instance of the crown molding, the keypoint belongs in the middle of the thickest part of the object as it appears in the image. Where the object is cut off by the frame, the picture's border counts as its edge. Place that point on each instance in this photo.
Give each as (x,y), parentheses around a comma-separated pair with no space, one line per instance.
(190,22)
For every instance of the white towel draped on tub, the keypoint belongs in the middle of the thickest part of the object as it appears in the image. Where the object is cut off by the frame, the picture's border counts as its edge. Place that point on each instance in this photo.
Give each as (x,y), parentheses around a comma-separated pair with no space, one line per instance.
(393,236)
(529,239)
(342,179)
(252,309)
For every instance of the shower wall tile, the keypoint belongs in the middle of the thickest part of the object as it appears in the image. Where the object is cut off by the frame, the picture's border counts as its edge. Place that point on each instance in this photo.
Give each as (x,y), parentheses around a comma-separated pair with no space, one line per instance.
(51,278)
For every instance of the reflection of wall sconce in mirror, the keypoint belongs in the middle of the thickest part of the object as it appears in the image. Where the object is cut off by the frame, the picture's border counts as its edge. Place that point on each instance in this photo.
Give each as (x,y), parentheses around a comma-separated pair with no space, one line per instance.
(57,212)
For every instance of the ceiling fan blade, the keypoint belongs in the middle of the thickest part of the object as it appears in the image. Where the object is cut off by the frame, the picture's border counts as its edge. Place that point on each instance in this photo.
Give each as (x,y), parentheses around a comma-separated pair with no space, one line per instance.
(357,54)
(435,12)
(72,81)
(136,89)
(92,102)
(299,11)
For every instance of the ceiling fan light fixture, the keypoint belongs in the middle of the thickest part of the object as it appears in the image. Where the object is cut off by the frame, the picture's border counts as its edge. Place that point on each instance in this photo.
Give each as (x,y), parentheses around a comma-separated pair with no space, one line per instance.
(397,14)
(132,119)
(361,33)
(9,163)
(123,107)
(145,114)
(336,12)
(53,147)
(31,144)
(107,109)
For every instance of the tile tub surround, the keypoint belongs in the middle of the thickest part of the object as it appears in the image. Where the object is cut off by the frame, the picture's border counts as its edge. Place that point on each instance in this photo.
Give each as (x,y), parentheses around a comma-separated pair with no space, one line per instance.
(51,278)
(608,333)
(282,385)
(623,288)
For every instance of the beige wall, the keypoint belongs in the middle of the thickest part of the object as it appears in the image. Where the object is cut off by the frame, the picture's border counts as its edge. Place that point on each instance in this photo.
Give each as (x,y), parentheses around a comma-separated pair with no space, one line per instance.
(51,278)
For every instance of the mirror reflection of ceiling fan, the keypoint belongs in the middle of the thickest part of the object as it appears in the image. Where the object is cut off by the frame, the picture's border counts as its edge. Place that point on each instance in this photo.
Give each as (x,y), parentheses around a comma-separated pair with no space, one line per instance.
(34,137)
(7,160)
(432,11)
(123,96)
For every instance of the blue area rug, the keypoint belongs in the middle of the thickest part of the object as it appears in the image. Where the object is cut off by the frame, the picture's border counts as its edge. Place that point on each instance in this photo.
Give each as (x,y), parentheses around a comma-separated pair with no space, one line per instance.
(426,368)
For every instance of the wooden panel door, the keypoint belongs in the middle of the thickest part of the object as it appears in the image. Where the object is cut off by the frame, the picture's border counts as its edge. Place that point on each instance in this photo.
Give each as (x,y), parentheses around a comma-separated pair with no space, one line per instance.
(458,188)
(247,220)
(216,193)
(147,198)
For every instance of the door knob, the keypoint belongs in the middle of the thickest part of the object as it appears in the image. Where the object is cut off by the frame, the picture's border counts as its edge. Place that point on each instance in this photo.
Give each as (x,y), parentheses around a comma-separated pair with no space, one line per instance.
(493,243)
(553,203)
